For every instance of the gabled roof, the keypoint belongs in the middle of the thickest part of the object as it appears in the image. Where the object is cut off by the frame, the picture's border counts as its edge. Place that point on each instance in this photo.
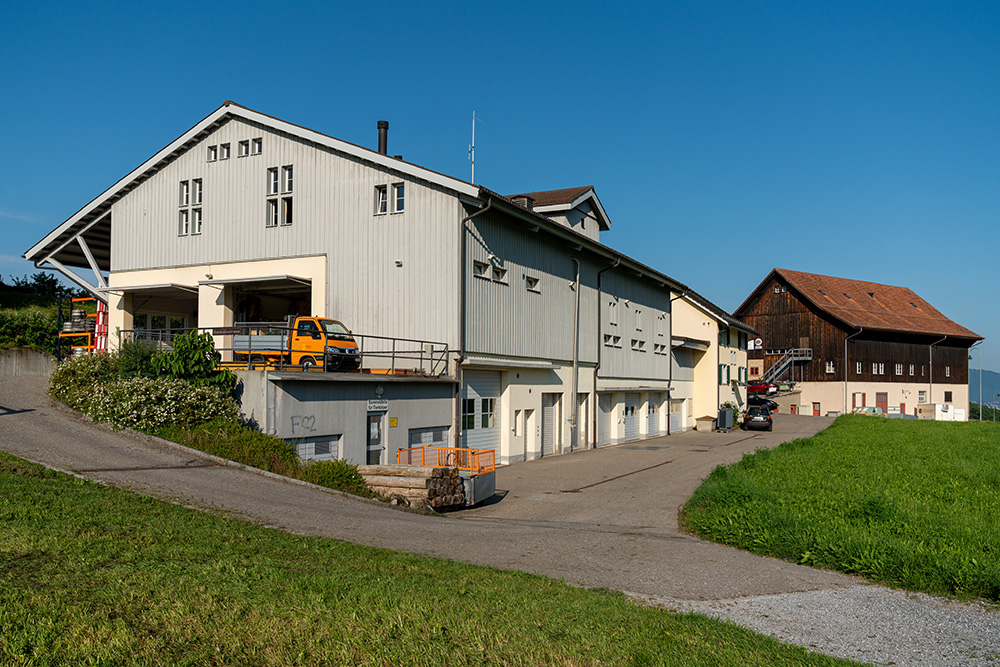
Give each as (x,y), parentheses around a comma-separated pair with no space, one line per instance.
(716,312)
(566,199)
(58,244)
(861,304)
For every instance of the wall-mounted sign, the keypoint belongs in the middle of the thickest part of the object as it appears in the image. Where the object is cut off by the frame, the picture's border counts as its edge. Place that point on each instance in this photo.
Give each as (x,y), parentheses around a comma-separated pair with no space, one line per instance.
(377,405)
(758,344)
(226,331)
(392,422)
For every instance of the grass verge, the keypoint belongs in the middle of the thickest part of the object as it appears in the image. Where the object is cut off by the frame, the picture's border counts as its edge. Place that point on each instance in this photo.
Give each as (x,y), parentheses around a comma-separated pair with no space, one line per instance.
(911,504)
(96,575)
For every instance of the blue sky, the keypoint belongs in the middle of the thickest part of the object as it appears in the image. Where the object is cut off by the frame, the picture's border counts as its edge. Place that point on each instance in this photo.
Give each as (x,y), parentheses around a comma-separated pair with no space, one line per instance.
(854,139)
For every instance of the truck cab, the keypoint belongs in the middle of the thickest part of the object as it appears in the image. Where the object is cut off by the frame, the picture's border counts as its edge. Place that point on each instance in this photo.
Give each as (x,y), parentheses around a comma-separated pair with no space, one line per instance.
(318,341)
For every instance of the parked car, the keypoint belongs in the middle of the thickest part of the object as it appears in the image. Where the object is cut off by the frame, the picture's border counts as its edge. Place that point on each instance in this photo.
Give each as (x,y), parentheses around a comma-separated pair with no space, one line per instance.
(757,417)
(761,388)
(757,399)
(869,410)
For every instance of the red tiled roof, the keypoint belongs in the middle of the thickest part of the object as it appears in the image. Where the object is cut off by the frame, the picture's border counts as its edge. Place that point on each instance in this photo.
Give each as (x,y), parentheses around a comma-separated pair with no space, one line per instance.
(872,305)
(553,197)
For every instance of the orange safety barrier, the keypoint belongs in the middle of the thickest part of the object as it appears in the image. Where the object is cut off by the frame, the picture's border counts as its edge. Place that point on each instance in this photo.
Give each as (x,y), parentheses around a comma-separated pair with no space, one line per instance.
(476,461)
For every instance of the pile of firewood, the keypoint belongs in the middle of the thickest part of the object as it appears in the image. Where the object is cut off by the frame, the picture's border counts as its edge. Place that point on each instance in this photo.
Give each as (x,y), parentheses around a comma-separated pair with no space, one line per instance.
(415,486)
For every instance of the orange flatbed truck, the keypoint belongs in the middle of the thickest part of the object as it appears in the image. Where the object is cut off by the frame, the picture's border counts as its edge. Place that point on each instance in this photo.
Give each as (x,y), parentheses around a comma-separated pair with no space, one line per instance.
(300,341)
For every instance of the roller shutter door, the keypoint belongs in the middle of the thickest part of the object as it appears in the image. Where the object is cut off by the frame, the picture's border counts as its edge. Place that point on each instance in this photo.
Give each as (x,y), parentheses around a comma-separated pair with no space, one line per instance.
(480,403)
(550,423)
(653,415)
(676,415)
(605,419)
(632,417)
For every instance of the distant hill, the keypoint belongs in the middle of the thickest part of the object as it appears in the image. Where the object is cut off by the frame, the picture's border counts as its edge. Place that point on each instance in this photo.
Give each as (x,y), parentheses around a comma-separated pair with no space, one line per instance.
(991,386)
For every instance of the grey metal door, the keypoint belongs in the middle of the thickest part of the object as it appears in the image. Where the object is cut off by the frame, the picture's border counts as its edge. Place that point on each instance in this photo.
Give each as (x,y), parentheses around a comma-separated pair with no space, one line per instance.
(653,415)
(605,419)
(375,444)
(550,423)
(632,417)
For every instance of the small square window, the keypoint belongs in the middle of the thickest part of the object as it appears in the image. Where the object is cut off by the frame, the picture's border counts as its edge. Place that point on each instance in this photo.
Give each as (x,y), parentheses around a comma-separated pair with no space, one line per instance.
(223,151)
(257,146)
(481,269)
(243,149)
(398,197)
(213,153)
(381,199)
(777,289)
(532,284)
(829,367)
(947,397)
(922,396)
(499,274)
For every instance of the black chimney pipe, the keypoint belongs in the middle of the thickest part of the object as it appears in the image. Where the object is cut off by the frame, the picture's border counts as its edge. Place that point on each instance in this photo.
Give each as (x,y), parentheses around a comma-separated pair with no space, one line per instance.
(383,137)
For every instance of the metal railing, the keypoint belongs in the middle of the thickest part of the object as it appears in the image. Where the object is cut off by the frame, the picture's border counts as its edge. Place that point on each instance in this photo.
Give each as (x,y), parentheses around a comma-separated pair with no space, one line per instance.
(785,361)
(476,461)
(267,344)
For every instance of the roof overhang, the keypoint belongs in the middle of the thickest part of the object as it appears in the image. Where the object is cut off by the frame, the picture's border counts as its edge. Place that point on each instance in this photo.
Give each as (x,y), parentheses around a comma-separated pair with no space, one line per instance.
(158,289)
(690,343)
(603,221)
(273,283)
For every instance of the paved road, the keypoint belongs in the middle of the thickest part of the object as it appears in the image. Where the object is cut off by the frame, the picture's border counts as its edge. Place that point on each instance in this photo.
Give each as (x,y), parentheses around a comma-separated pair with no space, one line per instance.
(605,517)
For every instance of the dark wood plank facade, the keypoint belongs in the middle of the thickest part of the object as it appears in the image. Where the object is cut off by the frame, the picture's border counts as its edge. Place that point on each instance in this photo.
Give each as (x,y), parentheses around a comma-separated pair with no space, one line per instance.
(786,320)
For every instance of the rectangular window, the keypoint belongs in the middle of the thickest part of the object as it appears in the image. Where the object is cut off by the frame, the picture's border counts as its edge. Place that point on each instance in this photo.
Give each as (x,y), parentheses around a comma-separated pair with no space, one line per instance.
(499,275)
(922,396)
(947,371)
(286,211)
(947,397)
(612,313)
(829,367)
(881,369)
(244,148)
(899,369)
(398,197)
(196,191)
(184,222)
(381,199)
(257,146)
(724,337)
(638,345)
(223,151)
(911,369)
(196,221)
(858,371)
(213,153)
(468,414)
(723,373)
(874,368)
(286,178)
(185,193)
(272,181)
(272,213)
(532,284)
(488,417)
(480,269)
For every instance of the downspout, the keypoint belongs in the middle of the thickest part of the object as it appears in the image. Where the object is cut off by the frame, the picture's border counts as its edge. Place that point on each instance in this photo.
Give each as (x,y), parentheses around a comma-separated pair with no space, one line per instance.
(670,357)
(593,442)
(930,394)
(574,437)
(457,404)
(858,332)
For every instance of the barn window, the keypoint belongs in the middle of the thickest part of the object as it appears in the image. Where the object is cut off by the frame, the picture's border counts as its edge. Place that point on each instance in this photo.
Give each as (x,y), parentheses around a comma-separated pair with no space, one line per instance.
(829,367)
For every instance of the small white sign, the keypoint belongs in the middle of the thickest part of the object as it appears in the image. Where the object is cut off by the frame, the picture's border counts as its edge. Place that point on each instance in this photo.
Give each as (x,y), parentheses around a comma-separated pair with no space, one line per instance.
(377,405)
(758,343)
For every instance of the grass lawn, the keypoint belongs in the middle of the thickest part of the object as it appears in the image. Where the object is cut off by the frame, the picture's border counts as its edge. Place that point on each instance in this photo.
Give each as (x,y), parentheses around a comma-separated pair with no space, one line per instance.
(912,504)
(91,575)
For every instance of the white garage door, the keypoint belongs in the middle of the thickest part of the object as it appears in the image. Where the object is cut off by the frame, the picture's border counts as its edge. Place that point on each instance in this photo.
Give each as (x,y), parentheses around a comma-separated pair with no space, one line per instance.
(550,423)
(677,415)
(605,419)
(480,402)
(632,417)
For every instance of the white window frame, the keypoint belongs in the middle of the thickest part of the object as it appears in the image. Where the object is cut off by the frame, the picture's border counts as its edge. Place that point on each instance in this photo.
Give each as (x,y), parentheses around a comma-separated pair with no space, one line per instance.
(213,153)
(184,195)
(224,151)
(257,146)
(272,181)
(271,219)
(830,367)
(196,221)
(287,176)
(912,370)
(243,148)
(947,371)
(899,369)
(922,396)
(287,211)
(858,371)
(381,199)
(398,197)
(184,222)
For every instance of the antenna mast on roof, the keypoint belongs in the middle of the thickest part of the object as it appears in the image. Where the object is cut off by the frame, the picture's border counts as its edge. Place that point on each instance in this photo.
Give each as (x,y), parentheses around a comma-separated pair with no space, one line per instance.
(472,146)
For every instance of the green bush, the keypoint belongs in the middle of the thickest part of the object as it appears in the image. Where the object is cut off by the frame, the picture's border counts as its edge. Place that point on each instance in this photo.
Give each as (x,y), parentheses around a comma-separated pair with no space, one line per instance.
(194,359)
(74,380)
(33,327)
(136,358)
(147,404)
(338,475)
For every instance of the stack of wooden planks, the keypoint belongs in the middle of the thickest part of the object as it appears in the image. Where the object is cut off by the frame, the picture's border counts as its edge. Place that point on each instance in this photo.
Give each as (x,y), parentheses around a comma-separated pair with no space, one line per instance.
(415,486)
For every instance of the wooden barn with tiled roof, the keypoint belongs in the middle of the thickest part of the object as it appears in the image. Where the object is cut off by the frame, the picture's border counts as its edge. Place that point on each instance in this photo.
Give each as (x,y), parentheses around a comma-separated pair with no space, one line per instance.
(851,343)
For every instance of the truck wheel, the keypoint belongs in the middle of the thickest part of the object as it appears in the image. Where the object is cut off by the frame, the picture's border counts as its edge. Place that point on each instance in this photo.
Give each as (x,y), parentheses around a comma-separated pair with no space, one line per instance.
(308,363)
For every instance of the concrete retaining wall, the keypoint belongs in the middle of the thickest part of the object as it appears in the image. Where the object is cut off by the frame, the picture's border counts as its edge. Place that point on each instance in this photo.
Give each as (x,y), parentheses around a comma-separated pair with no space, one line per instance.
(26,363)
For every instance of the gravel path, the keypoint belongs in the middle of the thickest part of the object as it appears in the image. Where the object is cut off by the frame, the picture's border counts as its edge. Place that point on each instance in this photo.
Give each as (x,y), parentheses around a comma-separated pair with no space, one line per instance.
(869,624)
